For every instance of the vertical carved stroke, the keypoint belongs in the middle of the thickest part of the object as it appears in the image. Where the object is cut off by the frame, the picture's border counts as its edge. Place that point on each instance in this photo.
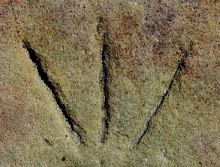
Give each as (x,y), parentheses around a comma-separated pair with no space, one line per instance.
(105,55)
(36,60)
(159,104)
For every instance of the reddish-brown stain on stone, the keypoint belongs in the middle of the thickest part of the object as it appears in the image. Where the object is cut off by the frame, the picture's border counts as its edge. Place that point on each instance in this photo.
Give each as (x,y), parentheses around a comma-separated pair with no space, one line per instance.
(127,45)
(133,37)
(128,22)
(207,151)
(158,23)
(9,1)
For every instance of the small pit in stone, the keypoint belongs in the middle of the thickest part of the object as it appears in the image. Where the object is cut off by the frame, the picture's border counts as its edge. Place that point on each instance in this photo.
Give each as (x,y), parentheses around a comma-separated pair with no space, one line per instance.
(64,158)
(47,142)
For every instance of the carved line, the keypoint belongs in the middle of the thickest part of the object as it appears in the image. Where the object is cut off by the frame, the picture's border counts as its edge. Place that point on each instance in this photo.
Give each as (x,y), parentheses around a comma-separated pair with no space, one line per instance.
(104,84)
(36,60)
(159,104)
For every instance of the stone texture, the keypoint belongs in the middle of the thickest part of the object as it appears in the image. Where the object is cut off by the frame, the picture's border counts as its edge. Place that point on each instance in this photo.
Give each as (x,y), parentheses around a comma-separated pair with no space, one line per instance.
(109,83)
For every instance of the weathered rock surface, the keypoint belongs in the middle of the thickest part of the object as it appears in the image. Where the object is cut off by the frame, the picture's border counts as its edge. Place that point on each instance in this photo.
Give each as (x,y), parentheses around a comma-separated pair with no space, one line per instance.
(109,83)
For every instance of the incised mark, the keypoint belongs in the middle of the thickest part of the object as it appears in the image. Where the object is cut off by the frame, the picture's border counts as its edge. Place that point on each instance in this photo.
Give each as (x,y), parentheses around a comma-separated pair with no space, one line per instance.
(105,55)
(76,128)
(157,107)
(104,76)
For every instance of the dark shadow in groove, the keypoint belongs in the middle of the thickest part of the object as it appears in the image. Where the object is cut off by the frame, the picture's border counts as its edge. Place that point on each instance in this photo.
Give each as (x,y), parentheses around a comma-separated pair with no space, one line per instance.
(36,60)
(180,66)
(104,82)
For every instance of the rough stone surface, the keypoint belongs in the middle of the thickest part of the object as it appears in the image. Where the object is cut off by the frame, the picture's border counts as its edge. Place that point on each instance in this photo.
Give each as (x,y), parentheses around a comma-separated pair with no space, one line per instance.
(109,83)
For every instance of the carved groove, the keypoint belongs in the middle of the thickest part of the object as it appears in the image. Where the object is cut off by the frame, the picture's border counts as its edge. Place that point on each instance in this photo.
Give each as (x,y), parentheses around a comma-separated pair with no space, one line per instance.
(154,112)
(105,55)
(36,60)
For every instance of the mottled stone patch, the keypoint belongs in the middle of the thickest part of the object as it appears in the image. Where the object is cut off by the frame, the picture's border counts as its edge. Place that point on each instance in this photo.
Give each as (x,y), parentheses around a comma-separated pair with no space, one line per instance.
(158,22)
